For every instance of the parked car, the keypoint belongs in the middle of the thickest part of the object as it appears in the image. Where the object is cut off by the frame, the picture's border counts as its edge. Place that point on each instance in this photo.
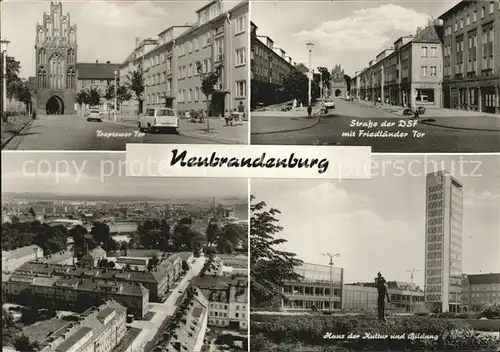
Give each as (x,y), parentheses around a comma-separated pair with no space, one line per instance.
(159,119)
(329,104)
(94,115)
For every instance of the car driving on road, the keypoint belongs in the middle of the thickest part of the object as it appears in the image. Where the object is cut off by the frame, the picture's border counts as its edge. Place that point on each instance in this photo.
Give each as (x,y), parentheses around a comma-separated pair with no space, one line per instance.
(159,119)
(329,104)
(94,115)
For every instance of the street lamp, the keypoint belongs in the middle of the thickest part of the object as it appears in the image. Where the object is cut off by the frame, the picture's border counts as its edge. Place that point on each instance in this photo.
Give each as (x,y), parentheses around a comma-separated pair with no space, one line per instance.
(310,48)
(116,89)
(3,50)
(331,256)
(412,272)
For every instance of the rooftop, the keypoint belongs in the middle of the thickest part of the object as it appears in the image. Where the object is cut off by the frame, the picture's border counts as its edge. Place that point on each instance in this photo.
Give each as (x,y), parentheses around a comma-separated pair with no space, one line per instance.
(484,279)
(97,71)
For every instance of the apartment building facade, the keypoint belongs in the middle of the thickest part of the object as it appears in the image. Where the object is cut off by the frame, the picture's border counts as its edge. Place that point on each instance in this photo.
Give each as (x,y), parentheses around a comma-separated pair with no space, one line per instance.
(228,300)
(269,67)
(479,290)
(410,73)
(472,56)
(99,328)
(320,287)
(158,281)
(66,292)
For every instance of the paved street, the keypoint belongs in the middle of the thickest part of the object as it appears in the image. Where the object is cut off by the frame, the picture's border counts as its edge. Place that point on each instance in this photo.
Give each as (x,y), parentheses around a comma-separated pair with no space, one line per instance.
(163,310)
(339,129)
(69,132)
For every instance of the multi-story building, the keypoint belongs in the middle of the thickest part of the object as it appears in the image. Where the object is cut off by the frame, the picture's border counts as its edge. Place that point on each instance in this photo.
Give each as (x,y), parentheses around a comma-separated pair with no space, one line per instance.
(480,289)
(66,292)
(99,328)
(98,76)
(158,281)
(91,258)
(413,67)
(320,286)
(472,56)
(11,260)
(364,297)
(269,67)
(443,242)
(228,300)
(190,333)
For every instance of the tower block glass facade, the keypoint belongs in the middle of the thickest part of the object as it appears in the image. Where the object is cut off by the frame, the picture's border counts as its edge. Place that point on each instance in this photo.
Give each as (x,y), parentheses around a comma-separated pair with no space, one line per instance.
(443,242)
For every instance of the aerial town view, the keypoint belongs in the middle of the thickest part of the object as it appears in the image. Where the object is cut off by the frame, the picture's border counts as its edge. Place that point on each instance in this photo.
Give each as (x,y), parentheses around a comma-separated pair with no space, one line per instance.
(342,266)
(399,76)
(131,72)
(127,264)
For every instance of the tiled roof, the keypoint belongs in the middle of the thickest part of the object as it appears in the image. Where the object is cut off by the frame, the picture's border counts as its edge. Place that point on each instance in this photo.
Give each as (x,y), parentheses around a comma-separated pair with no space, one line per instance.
(427,35)
(484,279)
(97,71)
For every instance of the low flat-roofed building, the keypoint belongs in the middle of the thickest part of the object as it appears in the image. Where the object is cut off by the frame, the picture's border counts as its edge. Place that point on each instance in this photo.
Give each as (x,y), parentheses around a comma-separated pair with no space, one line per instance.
(191,331)
(133,260)
(66,291)
(11,260)
(99,329)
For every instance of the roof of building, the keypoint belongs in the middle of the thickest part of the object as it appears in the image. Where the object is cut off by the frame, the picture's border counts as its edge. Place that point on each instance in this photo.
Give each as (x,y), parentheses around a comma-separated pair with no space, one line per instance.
(484,279)
(155,275)
(96,253)
(20,252)
(301,68)
(427,35)
(191,327)
(97,71)
(456,8)
(91,321)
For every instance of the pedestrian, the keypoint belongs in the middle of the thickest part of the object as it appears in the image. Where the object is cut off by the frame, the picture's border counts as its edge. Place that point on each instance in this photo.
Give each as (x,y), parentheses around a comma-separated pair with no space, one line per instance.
(227,117)
(381,285)
(294,104)
(309,110)
(241,111)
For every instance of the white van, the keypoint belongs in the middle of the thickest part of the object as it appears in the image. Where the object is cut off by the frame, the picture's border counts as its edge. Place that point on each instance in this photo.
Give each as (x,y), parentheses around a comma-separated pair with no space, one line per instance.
(159,119)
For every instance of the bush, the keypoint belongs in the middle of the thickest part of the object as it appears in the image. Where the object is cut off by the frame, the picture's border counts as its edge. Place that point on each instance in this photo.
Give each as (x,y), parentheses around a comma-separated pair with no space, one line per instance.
(490,311)
(279,331)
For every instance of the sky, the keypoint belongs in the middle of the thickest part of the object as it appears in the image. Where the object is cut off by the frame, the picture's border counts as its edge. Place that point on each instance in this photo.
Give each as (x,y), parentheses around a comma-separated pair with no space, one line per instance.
(379,224)
(106,30)
(94,174)
(345,32)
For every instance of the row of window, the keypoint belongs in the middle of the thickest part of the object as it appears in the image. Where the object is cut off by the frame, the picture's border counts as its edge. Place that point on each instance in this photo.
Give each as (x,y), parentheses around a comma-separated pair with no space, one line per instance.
(194,94)
(468,20)
(426,52)
(428,71)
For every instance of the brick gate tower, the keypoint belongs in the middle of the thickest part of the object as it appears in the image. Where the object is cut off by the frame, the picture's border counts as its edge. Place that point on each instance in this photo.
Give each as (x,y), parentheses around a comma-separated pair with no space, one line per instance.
(338,85)
(56,55)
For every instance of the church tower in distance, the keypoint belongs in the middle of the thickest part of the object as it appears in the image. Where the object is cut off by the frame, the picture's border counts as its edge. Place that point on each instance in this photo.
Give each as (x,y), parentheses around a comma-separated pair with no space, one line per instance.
(56,56)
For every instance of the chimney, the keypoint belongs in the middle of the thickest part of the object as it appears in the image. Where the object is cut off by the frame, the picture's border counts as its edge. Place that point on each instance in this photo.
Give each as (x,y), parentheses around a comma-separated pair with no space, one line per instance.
(108,62)
(137,41)
(96,61)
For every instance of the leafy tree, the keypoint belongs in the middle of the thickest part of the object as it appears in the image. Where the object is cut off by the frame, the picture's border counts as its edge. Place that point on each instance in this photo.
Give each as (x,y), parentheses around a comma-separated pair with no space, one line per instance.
(270,267)
(136,85)
(326,75)
(296,86)
(213,232)
(122,94)
(82,97)
(12,74)
(208,82)
(23,343)
(153,262)
(94,96)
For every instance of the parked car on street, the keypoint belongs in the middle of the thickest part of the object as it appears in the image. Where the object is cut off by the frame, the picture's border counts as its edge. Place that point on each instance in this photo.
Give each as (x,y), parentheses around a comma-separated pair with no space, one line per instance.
(159,119)
(94,115)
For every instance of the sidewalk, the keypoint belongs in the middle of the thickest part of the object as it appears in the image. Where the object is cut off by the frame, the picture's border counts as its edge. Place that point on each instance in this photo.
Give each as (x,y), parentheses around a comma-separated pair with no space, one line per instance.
(219,132)
(125,120)
(284,121)
(448,118)
(13,127)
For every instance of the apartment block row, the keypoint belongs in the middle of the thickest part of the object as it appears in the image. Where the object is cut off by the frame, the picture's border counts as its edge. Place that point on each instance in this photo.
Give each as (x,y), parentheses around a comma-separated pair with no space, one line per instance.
(157,281)
(98,329)
(454,62)
(67,291)
(169,63)
(269,67)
